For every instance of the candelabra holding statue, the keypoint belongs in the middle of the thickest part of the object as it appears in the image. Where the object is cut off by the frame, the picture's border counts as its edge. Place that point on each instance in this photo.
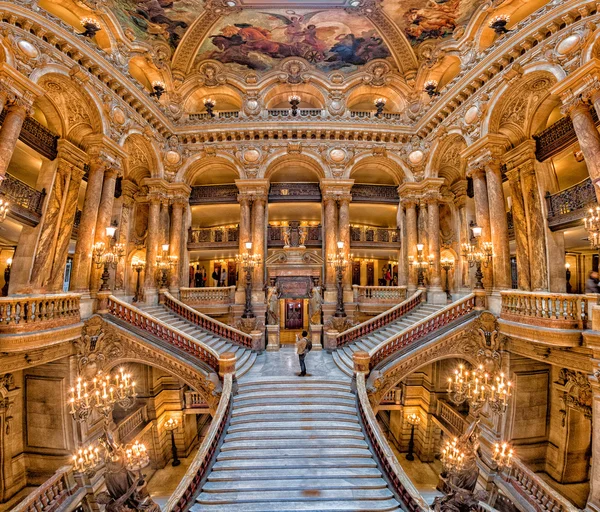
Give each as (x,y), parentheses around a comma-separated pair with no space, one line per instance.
(165,264)
(248,262)
(107,255)
(421,264)
(478,254)
(339,262)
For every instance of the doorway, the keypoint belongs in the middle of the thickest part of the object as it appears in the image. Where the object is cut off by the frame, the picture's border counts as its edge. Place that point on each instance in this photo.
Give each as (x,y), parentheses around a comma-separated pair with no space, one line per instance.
(294,314)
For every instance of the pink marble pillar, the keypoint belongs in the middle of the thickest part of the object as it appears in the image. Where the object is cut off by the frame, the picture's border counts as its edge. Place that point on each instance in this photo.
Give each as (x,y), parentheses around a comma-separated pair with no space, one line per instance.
(245,234)
(593,500)
(411,239)
(152,241)
(520,226)
(82,260)
(482,216)
(344,235)
(499,227)
(16,112)
(175,240)
(433,212)
(460,201)
(537,227)
(402,253)
(330,230)
(258,240)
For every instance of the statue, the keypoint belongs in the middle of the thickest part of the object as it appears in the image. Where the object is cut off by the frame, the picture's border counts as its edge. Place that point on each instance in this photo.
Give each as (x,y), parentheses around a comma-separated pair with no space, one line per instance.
(303,231)
(315,305)
(272,305)
(286,236)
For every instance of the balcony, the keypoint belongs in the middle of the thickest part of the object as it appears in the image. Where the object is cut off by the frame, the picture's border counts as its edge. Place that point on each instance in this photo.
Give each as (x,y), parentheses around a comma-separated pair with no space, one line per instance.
(568,207)
(292,235)
(369,236)
(373,300)
(25,202)
(214,194)
(209,300)
(217,238)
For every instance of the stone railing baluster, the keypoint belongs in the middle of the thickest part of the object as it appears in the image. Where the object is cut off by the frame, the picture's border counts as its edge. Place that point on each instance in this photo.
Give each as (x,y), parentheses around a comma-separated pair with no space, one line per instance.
(23,314)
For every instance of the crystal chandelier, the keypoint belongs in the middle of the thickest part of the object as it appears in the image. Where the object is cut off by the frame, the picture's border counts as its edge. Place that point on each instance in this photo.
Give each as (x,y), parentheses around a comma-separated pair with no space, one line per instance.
(478,388)
(137,456)
(452,458)
(502,455)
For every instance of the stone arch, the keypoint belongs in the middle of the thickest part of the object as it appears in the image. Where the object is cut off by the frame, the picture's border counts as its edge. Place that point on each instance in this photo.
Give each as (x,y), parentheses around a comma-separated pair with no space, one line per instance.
(277,95)
(142,159)
(390,164)
(306,161)
(446,161)
(202,164)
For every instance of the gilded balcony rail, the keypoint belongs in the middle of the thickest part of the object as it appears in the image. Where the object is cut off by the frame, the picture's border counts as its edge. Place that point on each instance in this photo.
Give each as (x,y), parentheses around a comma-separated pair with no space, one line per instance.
(369,234)
(207,295)
(49,496)
(223,114)
(421,329)
(379,321)
(214,236)
(38,312)
(402,485)
(210,194)
(293,235)
(569,206)
(301,112)
(205,322)
(200,466)
(137,318)
(22,194)
(554,310)
(379,294)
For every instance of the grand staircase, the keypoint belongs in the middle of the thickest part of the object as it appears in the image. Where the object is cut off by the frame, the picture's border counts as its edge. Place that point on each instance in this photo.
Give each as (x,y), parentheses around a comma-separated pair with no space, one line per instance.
(343,355)
(295,444)
(244,357)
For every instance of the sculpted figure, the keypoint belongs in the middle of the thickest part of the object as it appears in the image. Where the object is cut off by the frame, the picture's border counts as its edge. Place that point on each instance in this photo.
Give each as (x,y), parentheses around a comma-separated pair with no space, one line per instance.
(272,305)
(315,305)
(303,232)
(286,236)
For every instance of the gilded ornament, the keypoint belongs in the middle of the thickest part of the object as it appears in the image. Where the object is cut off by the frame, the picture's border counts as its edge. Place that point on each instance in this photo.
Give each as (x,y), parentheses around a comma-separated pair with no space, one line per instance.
(337,155)
(28,49)
(416,157)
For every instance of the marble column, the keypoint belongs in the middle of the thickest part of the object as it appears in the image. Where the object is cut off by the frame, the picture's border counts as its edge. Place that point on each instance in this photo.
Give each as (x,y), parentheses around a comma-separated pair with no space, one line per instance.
(587,135)
(482,216)
(16,112)
(537,227)
(422,227)
(175,240)
(245,233)
(122,272)
(411,239)
(460,201)
(82,260)
(520,227)
(152,241)
(344,235)
(104,219)
(403,267)
(593,501)
(330,229)
(258,240)
(499,227)
(433,213)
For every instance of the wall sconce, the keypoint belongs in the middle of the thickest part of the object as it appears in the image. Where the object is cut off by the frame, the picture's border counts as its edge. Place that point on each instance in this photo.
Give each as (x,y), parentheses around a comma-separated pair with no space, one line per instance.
(159,89)
(91,27)
(498,24)
(431,88)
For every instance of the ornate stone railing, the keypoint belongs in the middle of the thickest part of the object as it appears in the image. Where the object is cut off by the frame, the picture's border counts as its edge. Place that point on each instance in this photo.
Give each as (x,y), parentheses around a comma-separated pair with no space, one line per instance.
(224,114)
(569,206)
(199,468)
(214,236)
(537,492)
(301,112)
(38,312)
(295,192)
(368,234)
(379,321)
(208,295)
(450,416)
(130,423)
(401,484)
(36,136)
(140,320)
(49,496)
(19,193)
(379,294)
(421,329)
(362,193)
(208,323)
(194,400)
(276,235)
(392,397)
(368,114)
(554,310)
(210,194)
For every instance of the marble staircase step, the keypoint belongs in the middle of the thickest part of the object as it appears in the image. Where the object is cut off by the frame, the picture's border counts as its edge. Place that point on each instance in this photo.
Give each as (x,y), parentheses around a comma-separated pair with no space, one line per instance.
(295,495)
(296,453)
(291,435)
(274,409)
(282,444)
(294,393)
(290,416)
(306,482)
(266,425)
(300,463)
(292,473)
(298,399)
(302,506)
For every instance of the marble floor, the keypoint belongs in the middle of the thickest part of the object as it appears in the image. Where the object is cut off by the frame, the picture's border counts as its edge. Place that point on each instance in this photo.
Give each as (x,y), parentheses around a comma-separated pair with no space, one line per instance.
(163,482)
(284,363)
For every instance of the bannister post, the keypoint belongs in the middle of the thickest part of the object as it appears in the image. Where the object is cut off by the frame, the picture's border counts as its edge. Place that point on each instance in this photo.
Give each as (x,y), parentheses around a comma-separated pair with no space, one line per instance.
(330,340)
(227,362)
(258,341)
(480,299)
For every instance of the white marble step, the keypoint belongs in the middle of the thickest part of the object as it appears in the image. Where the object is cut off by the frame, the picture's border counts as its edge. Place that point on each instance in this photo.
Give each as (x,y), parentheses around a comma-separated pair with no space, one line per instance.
(302,506)
(291,416)
(277,444)
(294,393)
(294,495)
(296,453)
(290,434)
(267,425)
(284,464)
(306,482)
(298,409)
(292,473)
(298,399)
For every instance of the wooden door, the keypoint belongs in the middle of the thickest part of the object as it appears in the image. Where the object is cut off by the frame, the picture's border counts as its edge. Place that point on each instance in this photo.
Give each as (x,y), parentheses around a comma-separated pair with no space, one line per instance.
(356,272)
(370,274)
(294,313)
(231,273)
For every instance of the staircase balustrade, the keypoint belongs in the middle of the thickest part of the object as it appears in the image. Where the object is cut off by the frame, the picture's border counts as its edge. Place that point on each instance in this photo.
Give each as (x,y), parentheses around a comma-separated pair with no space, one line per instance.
(205,322)
(49,496)
(137,318)
(194,400)
(449,415)
(554,310)
(207,296)
(219,236)
(422,328)
(379,321)
(38,312)
(132,422)
(379,294)
(200,466)
(401,484)
(536,491)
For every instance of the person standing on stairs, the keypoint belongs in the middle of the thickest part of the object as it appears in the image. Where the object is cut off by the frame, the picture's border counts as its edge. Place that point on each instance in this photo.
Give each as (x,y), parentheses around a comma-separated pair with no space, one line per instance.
(303,347)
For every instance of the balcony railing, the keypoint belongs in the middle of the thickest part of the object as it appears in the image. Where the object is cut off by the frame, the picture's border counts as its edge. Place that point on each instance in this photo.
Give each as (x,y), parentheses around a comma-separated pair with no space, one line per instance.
(131,423)
(214,237)
(38,312)
(224,114)
(194,400)
(211,194)
(362,193)
(25,202)
(207,296)
(451,417)
(392,397)
(368,114)
(51,494)
(366,235)
(301,112)
(276,236)
(36,136)
(567,207)
(553,310)
(379,294)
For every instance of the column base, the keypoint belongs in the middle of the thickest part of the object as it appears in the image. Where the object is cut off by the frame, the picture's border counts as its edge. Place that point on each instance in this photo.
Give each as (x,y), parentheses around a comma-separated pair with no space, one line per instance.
(437,296)
(316,332)
(150,296)
(273,344)
(86,305)
(494,302)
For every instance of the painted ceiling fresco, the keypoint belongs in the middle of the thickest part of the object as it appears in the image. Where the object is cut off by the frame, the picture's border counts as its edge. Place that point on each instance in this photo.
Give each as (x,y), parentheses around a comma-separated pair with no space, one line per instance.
(420,20)
(152,20)
(329,39)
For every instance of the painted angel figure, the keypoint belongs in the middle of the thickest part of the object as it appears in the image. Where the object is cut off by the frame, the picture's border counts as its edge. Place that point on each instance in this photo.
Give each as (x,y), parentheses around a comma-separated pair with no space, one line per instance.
(293,26)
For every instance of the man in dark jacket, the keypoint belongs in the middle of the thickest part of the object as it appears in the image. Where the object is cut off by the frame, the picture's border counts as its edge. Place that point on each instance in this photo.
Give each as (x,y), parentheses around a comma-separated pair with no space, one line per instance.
(302,349)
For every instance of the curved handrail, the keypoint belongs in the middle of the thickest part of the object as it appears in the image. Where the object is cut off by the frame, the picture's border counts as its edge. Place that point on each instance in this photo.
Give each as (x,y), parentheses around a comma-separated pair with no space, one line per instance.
(381,320)
(206,322)
(199,467)
(403,487)
(60,486)
(421,329)
(138,318)
(20,313)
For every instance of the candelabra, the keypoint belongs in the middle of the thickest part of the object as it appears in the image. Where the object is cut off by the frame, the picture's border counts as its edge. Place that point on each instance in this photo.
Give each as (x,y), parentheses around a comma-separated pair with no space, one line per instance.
(6,277)
(380,105)
(138,265)
(159,89)
(452,457)
(477,254)
(339,262)
(498,23)
(91,27)
(502,455)
(171,425)
(165,263)
(86,459)
(447,265)
(478,388)
(136,456)
(210,105)
(4,208)
(421,264)
(107,255)
(568,277)
(248,262)
(413,420)
(431,88)
(294,100)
